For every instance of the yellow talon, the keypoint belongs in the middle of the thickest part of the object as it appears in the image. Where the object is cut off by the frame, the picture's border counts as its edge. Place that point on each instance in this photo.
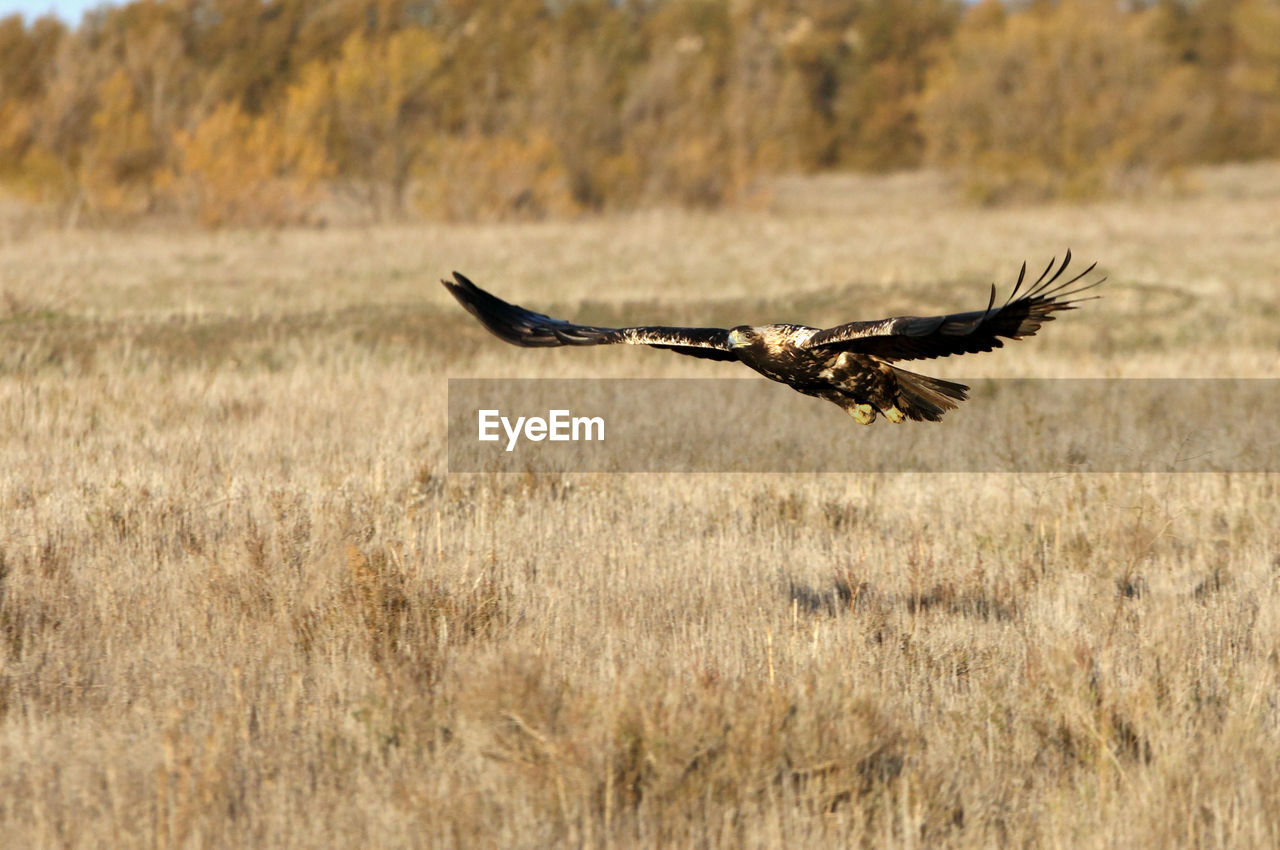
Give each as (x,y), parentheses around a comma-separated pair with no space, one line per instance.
(894,415)
(863,414)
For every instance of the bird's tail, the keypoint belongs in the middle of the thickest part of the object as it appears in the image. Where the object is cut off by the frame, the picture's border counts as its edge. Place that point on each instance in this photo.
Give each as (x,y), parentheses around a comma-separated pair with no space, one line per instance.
(925,399)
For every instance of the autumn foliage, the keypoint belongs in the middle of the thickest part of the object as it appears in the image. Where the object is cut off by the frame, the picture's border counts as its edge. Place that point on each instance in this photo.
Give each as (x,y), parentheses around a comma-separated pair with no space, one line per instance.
(253,112)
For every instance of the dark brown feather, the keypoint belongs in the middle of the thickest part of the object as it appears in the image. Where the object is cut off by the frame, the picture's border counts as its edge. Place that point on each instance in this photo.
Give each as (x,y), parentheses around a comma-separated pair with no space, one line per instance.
(519,326)
(925,337)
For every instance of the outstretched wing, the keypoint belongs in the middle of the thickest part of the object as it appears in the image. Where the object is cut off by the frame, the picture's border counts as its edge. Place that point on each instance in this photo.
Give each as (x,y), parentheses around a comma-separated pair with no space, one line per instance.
(519,326)
(925,337)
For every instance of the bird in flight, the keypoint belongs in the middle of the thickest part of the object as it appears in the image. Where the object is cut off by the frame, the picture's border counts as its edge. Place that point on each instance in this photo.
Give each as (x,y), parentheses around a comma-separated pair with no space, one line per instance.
(851,365)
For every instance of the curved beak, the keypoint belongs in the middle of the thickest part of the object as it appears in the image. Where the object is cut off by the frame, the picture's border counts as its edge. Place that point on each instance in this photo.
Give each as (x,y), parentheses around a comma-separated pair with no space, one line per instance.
(735,338)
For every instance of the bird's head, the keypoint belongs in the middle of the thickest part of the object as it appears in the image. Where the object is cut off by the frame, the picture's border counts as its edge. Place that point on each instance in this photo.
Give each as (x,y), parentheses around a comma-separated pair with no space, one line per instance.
(742,336)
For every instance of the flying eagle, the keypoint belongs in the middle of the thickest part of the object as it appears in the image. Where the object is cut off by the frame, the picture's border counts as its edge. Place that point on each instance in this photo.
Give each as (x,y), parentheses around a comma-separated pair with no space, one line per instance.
(850,365)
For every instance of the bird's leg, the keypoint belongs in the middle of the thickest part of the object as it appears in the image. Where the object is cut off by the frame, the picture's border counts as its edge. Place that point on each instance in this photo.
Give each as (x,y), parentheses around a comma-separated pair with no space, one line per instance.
(894,415)
(863,414)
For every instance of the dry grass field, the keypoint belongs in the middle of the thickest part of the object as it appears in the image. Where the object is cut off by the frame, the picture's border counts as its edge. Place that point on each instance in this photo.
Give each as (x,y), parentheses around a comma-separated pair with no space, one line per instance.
(242,603)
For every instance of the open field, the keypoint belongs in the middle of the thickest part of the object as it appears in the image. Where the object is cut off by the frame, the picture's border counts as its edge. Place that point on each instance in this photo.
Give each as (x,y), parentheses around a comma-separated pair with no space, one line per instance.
(241,603)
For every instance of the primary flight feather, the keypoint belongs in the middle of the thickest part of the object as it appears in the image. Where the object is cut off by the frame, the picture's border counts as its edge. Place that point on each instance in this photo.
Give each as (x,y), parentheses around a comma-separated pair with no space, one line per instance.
(850,365)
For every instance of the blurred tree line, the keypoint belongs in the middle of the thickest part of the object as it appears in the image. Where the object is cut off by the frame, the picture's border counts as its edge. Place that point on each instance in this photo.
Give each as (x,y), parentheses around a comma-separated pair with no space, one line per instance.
(248,112)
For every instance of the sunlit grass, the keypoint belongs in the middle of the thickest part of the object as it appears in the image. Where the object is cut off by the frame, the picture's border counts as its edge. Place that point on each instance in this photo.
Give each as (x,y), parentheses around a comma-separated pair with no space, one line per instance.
(241,604)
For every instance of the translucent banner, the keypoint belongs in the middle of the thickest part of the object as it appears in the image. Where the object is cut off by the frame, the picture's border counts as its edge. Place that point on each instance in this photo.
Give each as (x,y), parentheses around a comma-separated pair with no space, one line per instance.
(755,425)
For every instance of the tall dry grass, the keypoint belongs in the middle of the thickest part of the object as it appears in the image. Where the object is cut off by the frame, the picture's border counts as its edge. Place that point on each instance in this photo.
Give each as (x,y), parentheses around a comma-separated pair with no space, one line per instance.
(242,603)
